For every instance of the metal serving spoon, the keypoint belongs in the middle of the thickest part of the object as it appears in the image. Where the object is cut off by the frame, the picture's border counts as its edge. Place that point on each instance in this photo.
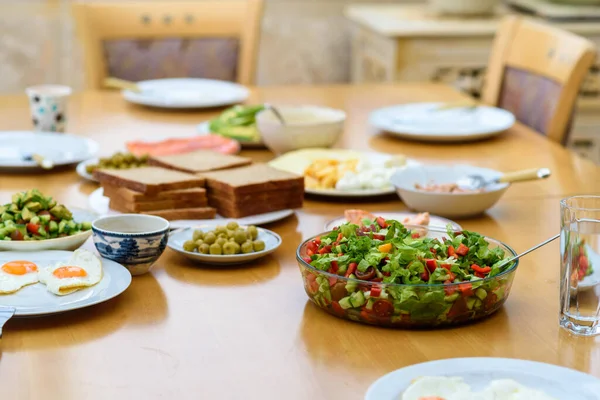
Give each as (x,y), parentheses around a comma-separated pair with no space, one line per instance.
(39,159)
(537,246)
(276,112)
(476,182)
(6,313)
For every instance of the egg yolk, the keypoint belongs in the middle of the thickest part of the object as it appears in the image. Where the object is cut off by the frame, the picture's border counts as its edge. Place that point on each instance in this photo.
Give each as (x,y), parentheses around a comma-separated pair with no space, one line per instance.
(69,272)
(19,267)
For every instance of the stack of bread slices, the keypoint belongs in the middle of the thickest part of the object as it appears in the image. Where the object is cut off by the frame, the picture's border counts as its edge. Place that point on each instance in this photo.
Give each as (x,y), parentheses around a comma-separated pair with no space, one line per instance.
(199,184)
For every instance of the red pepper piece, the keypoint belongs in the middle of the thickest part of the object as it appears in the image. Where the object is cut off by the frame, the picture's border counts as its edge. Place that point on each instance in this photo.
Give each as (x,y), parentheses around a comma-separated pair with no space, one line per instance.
(381,222)
(451,251)
(339,237)
(325,250)
(415,235)
(375,291)
(481,270)
(307,259)
(335,306)
(351,269)
(334,267)
(332,281)
(466,289)
(317,240)
(431,264)
(378,236)
(462,250)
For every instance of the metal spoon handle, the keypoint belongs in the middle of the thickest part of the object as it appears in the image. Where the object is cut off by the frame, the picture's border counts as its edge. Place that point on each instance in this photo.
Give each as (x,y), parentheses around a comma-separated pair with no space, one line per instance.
(42,162)
(525,175)
(276,112)
(537,246)
(6,313)
(116,83)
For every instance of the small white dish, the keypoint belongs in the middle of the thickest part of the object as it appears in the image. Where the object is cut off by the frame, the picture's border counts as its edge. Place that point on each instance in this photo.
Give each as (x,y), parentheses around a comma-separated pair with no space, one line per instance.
(100,204)
(555,381)
(435,221)
(82,172)
(305,127)
(60,148)
(296,162)
(271,239)
(64,243)
(204,129)
(36,300)
(452,205)
(187,93)
(427,122)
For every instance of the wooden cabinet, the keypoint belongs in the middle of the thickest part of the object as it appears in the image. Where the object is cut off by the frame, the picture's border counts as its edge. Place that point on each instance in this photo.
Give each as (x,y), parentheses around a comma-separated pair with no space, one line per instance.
(392,42)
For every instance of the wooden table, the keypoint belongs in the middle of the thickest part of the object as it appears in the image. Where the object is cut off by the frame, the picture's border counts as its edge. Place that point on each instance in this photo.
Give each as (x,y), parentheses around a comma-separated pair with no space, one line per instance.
(184,332)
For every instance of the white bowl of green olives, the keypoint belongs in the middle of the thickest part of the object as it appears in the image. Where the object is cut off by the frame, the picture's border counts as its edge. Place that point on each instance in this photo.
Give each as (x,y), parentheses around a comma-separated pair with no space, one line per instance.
(224,243)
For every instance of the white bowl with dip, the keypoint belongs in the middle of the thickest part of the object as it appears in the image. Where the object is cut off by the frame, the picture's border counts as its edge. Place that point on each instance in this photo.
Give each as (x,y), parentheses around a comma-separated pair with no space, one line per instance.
(306,127)
(453,205)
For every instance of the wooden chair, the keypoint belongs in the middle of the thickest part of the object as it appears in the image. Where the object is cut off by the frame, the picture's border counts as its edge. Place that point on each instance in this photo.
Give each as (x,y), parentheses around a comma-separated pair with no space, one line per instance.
(186,35)
(535,71)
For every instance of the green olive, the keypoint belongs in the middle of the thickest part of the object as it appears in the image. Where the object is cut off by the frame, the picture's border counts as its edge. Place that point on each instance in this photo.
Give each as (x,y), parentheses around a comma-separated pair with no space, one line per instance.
(222,236)
(229,248)
(189,245)
(253,232)
(221,241)
(220,229)
(204,248)
(232,225)
(130,158)
(238,248)
(230,233)
(247,247)
(215,249)
(144,158)
(258,245)
(210,238)
(240,237)
(199,242)
(90,168)
(198,234)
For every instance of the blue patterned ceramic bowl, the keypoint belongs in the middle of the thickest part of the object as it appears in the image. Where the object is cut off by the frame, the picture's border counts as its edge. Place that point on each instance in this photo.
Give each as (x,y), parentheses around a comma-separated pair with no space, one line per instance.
(134,240)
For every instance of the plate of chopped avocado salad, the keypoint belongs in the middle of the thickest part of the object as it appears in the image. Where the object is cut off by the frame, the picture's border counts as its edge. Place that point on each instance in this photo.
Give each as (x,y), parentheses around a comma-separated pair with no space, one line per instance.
(34,222)
(237,122)
(401,276)
(224,243)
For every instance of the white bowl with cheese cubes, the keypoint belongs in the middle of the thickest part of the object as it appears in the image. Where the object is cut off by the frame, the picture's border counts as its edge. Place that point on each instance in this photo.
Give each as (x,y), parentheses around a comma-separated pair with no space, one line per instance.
(305,127)
(343,173)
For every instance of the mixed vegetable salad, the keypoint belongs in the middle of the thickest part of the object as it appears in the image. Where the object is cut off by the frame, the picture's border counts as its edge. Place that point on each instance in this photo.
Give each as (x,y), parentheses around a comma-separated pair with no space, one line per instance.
(238,122)
(33,216)
(383,273)
(580,262)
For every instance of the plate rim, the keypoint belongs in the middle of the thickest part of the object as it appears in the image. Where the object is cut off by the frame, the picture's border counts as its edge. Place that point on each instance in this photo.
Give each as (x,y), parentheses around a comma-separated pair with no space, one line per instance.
(376,389)
(76,306)
(80,169)
(137,98)
(450,137)
(231,259)
(92,145)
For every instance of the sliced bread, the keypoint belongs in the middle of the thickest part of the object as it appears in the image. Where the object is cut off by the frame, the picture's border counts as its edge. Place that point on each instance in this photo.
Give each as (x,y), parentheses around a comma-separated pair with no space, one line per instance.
(135,207)
(252,178)
(148,180)
(133,196)
(185,213)
(199,161)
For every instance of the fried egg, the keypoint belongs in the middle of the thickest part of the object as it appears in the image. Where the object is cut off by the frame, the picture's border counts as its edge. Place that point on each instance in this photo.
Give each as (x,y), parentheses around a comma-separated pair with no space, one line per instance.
(454,388)
(16,274)
(82,270)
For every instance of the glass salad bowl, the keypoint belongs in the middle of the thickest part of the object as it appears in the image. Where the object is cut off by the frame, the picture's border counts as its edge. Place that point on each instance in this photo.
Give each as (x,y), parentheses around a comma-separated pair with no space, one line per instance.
(406,305)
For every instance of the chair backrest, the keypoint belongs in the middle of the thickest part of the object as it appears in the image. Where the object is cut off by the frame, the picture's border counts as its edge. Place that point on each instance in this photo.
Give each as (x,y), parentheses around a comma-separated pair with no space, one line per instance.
(536,71)
(184,35)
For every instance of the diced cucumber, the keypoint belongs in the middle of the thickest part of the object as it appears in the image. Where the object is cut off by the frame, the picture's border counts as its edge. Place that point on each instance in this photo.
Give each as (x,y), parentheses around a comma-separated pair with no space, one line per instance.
(86,226)
(352,284)
(481,293)
(357,299)
(35,220)
(345,303)
(61,226)
(44,219)
(471,302)
(8,223)
(42,232)
(3,209)
(13,208)
(7,217)
(10,228)
(72,225)
(370,303)
(53,227)
(452,297)
(478,303)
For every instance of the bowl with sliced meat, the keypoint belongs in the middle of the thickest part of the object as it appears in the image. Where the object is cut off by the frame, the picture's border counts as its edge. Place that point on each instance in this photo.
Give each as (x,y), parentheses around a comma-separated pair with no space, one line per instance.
(35,222)
(398,276)
(435,188)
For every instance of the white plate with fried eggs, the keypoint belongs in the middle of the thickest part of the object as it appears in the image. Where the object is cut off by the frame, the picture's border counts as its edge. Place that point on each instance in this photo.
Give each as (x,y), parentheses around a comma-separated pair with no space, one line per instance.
(49,282)
(485,379)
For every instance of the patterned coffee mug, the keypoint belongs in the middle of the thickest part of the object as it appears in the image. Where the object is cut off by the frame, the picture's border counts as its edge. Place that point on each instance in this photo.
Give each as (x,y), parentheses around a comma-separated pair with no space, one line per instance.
(48,104)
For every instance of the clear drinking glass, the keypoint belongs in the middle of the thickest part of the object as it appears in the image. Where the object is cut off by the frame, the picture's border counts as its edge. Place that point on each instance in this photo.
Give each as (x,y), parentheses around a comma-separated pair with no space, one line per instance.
(580,265)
